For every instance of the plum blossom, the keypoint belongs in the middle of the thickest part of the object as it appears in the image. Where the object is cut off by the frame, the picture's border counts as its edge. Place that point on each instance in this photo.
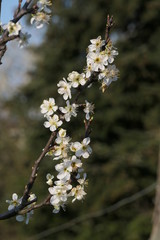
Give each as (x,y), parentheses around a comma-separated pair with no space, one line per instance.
(53,123)
(109,75)
(14,202)
(83,181)
(61,149)
(63,184)
(96,44)
(13,28)
(69,110)
(75,163)
(64,170)
(62,133)
(98,61)
(78,193)
(23,39)
(64,89)
(110,52)
(39,19)
(84,149)
(59,195)
(88,109)
(26,217)
(88,70)
(49,178)
(76,79)
(44,3)
(75,146)
(48,107)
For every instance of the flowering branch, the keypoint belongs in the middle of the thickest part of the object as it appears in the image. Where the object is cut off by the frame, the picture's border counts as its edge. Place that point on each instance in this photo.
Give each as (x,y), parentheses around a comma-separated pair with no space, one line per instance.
(13,30)
(35,169)
(70,180)
(28,187)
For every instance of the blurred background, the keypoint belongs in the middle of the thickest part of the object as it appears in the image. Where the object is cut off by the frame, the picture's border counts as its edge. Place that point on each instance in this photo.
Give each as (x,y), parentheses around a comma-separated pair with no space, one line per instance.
(126,127)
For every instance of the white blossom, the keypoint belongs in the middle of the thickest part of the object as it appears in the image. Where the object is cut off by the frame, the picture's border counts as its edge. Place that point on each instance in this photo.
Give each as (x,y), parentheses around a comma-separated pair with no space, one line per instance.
(76,79)
(84,149)
(23,39)
(26,217)
(64,170)
(53,123)
(96,44)
(13,28)
(61,149)
(69,110)
(43,3)
(64,89)
(49,178)
(48,107)
(110,52)
(58,206)
(39,19)
(78,193)
(31,197)
(109,75)
(82,181)
(14,202)
(61,133)
(75,146)
(59,195)
(75,163)
(97,61)
(88,70)
(88,109)
(63,184)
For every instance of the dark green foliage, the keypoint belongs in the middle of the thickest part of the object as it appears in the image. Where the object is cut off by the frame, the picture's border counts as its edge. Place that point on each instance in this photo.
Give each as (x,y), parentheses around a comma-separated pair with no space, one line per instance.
(125,135)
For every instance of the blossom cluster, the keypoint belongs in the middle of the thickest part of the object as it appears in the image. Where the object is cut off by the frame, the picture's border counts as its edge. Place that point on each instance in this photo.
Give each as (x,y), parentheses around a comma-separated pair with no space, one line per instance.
(38,19)
(100,59)
(42,15)
(68,156)
(69,182)
(15,202)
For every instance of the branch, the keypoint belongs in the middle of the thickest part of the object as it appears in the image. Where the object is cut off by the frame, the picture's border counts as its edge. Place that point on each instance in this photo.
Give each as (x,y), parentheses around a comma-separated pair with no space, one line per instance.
(21,208)
(33,176)
(20,12)
(13,212)
(45,202)
(29,186)
(18,8)
(109,25)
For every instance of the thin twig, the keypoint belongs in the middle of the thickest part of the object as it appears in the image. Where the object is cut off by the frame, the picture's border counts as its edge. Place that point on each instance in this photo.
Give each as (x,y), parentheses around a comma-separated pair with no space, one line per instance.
(18,8)
(29,186)
(33,176)
(109,25)
(45,202)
